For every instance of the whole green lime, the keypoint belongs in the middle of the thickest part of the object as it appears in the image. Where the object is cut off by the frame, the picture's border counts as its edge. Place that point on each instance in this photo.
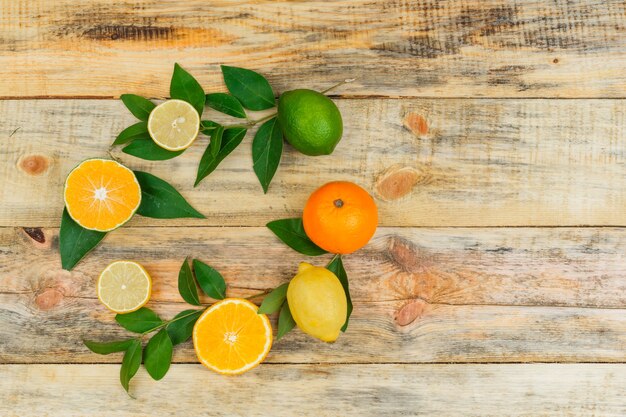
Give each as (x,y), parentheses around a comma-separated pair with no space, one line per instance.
(310,121)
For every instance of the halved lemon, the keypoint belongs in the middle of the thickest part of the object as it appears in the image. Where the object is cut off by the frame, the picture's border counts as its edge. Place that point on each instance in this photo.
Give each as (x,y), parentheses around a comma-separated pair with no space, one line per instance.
(174,125)
(231,338)
(101,194)
(124,286)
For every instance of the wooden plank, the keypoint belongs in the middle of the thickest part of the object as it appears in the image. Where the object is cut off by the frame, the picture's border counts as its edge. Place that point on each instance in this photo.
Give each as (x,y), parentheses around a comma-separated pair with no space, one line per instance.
(492,48)
(319,390)
(420,295)
(428,162)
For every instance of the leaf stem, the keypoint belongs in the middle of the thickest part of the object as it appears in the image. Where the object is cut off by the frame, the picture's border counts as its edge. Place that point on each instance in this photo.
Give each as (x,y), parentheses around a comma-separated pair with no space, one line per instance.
(252,122)
(165,323)
(346,81)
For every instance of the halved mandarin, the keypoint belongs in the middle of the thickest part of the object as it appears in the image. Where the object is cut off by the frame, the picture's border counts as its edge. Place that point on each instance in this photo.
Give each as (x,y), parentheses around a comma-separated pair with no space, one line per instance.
(231,338)
(101,194)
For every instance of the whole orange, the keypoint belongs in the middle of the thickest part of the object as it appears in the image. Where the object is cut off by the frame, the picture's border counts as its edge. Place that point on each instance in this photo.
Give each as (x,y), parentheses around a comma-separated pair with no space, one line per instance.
(340,217)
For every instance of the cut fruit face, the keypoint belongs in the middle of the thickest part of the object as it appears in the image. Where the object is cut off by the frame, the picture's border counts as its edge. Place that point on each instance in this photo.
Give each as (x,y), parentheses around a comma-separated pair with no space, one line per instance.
(174,125)
(231,338)
(124,286)
(101,194)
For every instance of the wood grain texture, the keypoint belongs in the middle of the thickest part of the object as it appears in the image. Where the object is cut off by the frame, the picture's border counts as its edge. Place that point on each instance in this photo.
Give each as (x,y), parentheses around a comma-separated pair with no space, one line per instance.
(420,295)
(492,48)
(428,162)
(320,390)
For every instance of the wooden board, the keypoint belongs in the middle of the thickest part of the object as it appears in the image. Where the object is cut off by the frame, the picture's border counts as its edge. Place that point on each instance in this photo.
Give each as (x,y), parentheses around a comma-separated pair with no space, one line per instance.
(490,48)
(428,163)
(434,295)
(320,390)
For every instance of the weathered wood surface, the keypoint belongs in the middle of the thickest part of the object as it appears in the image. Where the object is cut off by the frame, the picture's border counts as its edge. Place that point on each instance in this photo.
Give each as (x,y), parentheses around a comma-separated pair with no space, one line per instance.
(420,295)
(428,162)
(320,390)
(493,48)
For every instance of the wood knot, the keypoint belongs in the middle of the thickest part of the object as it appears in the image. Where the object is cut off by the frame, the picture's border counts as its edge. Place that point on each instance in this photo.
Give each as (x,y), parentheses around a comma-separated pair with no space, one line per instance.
(34,164)
(397,181)
(405,254)
(48,298)
(410,312)
(416,124)
(35,233)
(555,61)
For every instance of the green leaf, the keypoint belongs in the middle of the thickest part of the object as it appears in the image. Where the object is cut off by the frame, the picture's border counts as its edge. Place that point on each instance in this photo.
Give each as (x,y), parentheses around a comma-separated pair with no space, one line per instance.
(145,148)
(267,148)
(274,300)
(336,267)
(291,232)
(184,87)
(187,285)
(161,201)
(230,140)
(181,329)
(133,132)
(75,241)
(285,321)
(158,355)
(130,363)
(226,104)
(249,87)
(104,348)
(139,321)
(140,107)
(216,140)
(211,281)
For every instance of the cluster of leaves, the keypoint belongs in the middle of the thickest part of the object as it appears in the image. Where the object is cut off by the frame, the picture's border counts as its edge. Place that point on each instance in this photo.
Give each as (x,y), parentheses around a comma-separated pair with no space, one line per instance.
(248,90)
(158,200)
(157,354)
(291,232)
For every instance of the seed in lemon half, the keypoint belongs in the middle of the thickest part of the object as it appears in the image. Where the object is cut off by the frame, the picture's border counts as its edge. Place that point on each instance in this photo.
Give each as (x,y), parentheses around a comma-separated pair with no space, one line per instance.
(124,286)
(230,337)
(174,125)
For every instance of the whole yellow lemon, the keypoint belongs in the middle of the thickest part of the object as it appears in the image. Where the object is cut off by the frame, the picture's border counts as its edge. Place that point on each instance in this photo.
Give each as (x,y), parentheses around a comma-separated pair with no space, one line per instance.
(317,302)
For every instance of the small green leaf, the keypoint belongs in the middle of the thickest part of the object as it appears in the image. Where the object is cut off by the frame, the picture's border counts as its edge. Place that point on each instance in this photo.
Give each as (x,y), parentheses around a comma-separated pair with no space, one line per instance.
(291,232)
(211,281)
(267,148)
(181,329)
(75,241)
(285,321)
(157,356)
(249,87)
(130,363)
(145,148)
(184,87)
(230,140)
(104,348)
(336,267)
(140,107)
(161,201)
(216,140)
(139,321)
(274,300)
(133,132)
(187,285)
(226,104)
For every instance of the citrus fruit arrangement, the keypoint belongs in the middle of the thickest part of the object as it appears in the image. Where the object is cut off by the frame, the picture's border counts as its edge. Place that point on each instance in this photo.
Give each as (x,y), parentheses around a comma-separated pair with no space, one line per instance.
(232,335)
(306,119)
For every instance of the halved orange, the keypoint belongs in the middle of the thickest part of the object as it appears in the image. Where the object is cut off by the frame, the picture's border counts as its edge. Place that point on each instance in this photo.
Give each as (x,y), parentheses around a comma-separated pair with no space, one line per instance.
(231,338)
(101,194)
